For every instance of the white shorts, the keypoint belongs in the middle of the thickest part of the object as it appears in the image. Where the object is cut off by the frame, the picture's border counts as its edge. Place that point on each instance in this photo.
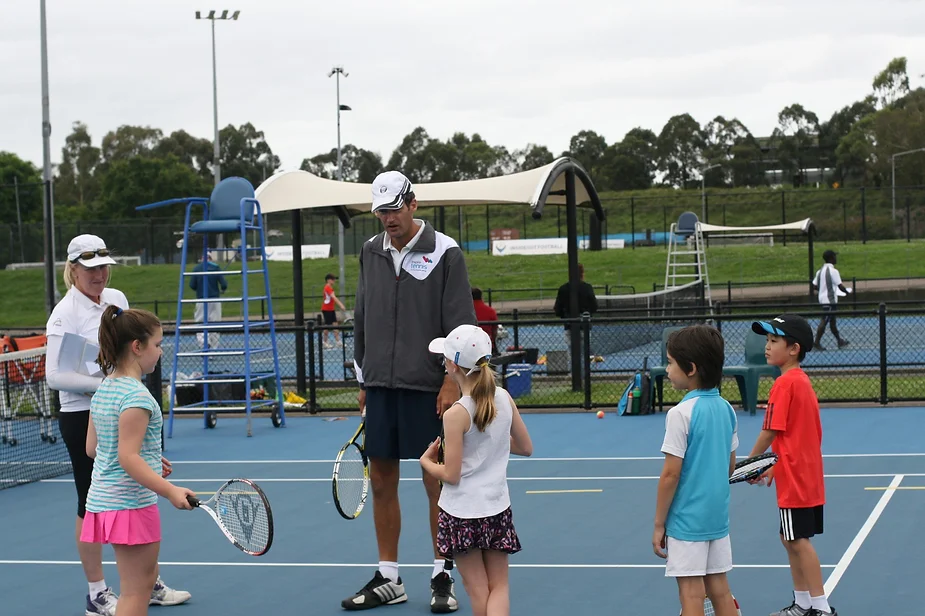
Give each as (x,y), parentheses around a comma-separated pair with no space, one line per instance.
(698,558)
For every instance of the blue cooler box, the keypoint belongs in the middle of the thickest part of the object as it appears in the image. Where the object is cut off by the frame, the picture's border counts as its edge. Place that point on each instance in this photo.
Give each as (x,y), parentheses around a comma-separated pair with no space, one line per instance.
(519,379)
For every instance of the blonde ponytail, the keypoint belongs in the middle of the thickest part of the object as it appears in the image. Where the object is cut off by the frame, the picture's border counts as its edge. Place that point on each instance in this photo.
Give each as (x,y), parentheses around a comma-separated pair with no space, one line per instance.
(483,393)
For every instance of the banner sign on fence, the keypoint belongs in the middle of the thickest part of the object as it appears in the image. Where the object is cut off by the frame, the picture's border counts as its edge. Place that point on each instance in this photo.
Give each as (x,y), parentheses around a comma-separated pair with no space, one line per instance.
(310,251)
(542,246)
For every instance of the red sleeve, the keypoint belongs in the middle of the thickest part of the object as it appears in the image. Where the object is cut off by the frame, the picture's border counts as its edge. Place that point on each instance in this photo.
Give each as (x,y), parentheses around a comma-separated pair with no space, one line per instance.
(775,418)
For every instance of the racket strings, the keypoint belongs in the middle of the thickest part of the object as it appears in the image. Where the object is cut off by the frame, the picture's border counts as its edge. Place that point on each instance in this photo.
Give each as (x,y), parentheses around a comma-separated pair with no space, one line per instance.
(350,480)
(244,515)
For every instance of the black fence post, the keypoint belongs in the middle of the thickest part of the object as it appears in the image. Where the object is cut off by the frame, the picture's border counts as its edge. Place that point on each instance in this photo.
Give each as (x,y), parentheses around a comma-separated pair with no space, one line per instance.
(309,333)
(844,213)
(881,311)
(586,332)
(908,219)
(783,212)
(863,216)
(633,223)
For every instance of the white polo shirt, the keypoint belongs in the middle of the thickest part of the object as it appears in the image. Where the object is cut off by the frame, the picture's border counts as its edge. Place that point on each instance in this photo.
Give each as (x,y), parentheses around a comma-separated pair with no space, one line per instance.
(399,255)
(76,314)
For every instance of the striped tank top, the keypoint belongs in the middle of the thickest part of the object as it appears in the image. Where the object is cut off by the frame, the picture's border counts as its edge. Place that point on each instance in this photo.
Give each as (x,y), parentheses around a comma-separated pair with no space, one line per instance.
(111,488)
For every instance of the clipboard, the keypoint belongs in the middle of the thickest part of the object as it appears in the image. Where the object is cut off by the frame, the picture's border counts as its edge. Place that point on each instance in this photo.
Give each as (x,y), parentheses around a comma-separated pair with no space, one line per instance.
(79,355)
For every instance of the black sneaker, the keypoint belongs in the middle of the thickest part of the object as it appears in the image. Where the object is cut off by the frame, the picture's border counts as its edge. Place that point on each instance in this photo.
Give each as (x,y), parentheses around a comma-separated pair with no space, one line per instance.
(815,612)
(442,599)
(794,610)
(379,591)
(843,343)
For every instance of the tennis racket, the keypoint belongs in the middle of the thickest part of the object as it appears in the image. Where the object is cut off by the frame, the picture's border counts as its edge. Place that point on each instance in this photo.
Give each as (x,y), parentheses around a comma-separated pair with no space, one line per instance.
(350,483)
(752,467)
(441,459)
(708,608)
(242,512)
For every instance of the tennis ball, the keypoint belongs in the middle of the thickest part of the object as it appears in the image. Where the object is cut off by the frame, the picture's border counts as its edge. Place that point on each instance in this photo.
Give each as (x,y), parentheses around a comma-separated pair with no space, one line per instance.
(600,414)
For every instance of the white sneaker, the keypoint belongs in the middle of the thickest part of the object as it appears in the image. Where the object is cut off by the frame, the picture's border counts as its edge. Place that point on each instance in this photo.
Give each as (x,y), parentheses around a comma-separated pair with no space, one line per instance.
(162,594)
(104,604)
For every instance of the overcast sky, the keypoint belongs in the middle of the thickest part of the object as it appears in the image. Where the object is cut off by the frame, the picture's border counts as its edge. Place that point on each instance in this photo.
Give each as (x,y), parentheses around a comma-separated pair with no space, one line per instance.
(516,72)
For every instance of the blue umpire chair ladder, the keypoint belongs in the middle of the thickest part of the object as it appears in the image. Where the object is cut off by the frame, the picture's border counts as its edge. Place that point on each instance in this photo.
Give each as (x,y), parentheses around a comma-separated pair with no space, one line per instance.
(232,208)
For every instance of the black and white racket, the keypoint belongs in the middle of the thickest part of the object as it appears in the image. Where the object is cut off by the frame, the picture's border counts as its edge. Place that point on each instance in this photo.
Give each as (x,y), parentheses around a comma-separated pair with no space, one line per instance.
(752,467)
(242,512)
(350,482)
(441,459)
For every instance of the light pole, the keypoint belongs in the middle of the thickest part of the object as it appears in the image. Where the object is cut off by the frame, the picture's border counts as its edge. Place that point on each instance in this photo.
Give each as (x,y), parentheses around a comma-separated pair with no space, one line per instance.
(893,173)
(703,191)
(338,71)
(48,207)
(216,152)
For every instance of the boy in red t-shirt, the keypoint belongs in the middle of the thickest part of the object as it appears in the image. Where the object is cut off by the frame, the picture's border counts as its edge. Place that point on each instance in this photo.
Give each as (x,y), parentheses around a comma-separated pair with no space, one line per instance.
(792,429)
(328,311)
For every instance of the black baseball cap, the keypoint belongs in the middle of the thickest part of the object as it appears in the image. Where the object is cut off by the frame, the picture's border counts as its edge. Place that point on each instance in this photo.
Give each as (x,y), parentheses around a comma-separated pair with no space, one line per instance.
(789,325)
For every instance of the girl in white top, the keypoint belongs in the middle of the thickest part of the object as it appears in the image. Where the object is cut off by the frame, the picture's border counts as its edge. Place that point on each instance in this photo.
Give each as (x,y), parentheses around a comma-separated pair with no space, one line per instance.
(481,430)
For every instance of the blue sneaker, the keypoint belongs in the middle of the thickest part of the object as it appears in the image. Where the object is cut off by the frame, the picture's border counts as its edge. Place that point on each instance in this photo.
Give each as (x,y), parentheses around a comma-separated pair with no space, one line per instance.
(104,604)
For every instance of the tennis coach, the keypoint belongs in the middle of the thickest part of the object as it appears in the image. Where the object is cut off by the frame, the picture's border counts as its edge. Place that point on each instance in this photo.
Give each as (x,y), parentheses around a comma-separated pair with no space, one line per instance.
(412,287)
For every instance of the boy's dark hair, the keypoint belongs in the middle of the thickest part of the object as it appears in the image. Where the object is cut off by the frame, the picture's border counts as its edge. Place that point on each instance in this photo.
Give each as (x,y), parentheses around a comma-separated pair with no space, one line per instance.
(476,293)
(703,346)
(829,256)
(118,329)
(330,277)
(792,341)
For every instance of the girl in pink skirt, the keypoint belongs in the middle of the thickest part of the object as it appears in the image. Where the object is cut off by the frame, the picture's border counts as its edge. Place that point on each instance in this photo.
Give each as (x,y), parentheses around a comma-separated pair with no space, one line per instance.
(481,430)
(124,437)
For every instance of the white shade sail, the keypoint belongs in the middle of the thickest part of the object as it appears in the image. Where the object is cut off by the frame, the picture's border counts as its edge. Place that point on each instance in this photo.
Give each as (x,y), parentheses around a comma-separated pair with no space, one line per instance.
(293,190)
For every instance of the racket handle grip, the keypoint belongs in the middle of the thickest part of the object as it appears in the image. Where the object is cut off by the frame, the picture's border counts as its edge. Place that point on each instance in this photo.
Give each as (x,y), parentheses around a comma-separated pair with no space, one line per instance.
(193,501)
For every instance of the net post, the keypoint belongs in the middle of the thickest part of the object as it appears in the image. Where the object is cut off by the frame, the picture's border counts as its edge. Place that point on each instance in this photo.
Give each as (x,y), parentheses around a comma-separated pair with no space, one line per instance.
(586,334)
(309,333)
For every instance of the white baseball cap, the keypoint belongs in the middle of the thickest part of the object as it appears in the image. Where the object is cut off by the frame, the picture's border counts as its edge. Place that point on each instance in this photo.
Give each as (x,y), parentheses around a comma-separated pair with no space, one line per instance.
(465,346)
(389,190)
(89,251)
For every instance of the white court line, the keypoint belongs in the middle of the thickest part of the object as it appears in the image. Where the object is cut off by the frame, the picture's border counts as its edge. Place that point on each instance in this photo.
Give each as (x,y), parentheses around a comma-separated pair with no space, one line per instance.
(367,565)
(521,459)
(176,479)
(852,550)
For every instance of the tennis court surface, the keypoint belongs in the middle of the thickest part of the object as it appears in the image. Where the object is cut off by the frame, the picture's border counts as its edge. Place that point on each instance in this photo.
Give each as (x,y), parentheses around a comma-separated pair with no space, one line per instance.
(583,506)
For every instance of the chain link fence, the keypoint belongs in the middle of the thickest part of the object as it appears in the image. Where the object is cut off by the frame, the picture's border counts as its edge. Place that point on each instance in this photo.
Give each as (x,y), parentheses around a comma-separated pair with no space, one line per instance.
(882,362)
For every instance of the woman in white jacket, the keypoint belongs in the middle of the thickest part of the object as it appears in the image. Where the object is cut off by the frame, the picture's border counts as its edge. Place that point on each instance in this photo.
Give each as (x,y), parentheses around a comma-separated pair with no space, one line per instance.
(86,274)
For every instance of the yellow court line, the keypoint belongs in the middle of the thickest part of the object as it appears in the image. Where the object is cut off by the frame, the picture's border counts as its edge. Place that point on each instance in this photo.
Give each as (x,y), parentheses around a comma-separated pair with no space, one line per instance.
(560,491)
(897,488)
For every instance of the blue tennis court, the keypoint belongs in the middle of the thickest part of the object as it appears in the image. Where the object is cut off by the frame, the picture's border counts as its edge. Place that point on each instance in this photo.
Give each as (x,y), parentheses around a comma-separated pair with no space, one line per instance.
(583,507)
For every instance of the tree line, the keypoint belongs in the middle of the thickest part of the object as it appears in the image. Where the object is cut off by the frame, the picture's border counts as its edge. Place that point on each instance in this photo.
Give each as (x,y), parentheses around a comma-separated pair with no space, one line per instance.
(134,165)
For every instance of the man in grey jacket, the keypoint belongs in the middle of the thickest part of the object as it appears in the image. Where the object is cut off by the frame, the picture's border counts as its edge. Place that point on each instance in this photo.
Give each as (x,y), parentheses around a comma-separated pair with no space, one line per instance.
(412,287)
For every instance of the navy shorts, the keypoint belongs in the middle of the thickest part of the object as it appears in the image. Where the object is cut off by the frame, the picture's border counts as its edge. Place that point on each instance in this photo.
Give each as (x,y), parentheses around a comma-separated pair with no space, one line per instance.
(400,423)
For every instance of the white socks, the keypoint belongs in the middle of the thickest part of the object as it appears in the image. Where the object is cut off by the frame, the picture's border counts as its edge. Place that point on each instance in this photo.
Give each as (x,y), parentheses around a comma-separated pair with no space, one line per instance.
(438,567)
(821,604)
(802,598)
(389,570)
(96,588)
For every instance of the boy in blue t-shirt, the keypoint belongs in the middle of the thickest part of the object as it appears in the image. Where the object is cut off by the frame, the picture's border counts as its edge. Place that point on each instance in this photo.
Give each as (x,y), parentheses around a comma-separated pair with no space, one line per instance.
(692,510)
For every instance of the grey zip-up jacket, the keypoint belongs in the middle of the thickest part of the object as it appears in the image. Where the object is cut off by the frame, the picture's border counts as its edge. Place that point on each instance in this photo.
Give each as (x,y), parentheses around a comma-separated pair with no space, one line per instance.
(395,318)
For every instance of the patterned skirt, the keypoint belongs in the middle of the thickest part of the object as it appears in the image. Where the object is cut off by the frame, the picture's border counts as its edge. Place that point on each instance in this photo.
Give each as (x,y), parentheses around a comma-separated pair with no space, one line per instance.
(458,535)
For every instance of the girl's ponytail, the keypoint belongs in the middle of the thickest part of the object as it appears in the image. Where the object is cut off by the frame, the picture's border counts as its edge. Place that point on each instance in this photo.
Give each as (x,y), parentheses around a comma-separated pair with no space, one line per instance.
(483,393)
(118,329)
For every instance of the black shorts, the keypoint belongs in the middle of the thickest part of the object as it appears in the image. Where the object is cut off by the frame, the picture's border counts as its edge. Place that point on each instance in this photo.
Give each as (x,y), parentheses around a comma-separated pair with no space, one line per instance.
(400,423)
(330,317)
(801,523)
(73,427)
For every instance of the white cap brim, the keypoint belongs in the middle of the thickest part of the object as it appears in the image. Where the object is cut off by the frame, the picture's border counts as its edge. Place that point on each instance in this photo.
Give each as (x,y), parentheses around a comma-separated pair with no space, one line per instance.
(437,345)
(97,261)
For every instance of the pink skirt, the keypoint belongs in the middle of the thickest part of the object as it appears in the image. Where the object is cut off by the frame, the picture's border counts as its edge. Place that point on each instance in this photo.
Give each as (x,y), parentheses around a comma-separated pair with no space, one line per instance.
(123,527)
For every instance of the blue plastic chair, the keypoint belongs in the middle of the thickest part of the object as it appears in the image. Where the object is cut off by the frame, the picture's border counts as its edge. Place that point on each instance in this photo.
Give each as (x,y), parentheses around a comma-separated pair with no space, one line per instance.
(230,206)
(749,374)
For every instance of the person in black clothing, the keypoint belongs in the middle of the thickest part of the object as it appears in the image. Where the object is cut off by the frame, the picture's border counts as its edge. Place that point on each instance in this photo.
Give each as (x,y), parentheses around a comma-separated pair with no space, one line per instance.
(587,301)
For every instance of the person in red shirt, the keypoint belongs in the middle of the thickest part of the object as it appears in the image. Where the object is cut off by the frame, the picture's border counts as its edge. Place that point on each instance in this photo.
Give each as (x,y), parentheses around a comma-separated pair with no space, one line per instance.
(792,429)
(484,312)
(328,311)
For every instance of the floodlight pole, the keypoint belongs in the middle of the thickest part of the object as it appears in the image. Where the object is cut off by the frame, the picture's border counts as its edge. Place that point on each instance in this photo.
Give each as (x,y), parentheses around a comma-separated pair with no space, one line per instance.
(338,71)
(216,150)
(893,173)
(703,192)
(48,207)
